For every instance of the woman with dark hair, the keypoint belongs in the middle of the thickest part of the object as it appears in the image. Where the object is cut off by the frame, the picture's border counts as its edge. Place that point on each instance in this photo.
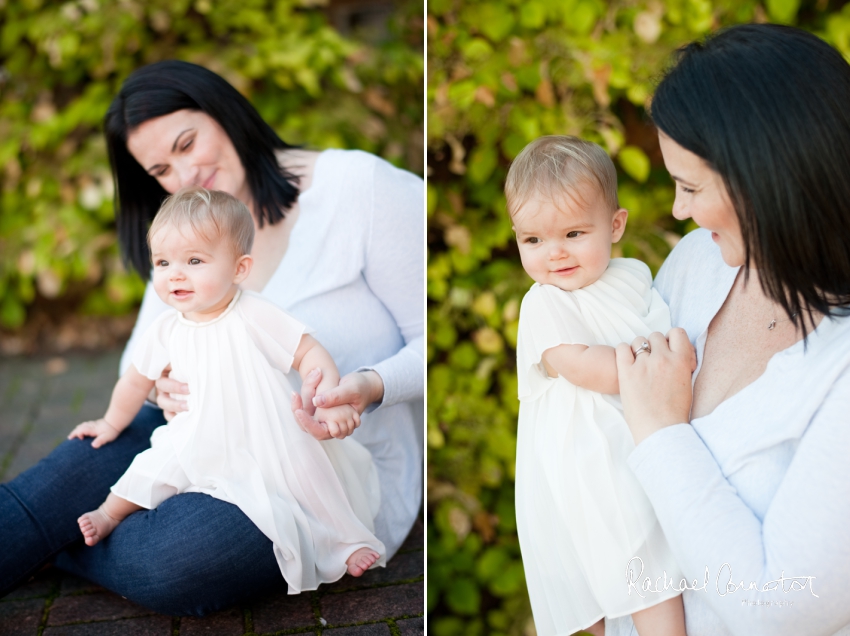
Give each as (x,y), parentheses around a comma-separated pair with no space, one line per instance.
(746,462)
(339,244)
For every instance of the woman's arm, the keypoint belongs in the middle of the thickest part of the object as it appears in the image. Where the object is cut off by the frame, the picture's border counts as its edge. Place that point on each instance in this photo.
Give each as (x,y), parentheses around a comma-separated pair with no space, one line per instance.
(395,271)
(804,530)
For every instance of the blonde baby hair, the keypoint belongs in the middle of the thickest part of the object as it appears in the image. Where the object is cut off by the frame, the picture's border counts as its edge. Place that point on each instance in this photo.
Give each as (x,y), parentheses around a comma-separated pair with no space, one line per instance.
(558,164)
(205,210)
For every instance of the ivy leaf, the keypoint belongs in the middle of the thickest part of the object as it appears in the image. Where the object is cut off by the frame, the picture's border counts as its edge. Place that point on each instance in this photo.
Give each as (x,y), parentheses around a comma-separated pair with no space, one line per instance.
(496,21)
(492,563)
(509,580)
(477,49)
(463,596)
(12,313)
(582,19)
(532,15)
(783,11)
(635,162)
(482,162)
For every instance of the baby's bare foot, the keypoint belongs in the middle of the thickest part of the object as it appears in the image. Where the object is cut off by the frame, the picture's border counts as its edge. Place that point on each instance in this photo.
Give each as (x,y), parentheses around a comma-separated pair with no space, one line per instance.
(96,525)
(360,561)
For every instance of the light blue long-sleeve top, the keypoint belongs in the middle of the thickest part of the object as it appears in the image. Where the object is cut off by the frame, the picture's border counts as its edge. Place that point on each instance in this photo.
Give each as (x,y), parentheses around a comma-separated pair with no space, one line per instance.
(759,488)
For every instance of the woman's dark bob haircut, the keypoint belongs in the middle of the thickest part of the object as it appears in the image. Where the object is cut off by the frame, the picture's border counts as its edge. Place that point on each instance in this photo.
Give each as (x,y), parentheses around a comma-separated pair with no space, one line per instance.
(163,88)
(768,108)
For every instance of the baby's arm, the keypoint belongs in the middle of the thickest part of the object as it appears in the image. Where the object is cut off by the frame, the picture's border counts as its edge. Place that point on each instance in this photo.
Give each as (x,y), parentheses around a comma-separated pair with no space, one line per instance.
(342,419)
(129,394)
(593,368)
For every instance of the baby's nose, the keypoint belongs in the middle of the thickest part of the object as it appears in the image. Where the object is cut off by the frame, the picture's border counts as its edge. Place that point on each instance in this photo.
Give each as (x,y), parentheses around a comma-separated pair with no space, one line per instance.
(558,250)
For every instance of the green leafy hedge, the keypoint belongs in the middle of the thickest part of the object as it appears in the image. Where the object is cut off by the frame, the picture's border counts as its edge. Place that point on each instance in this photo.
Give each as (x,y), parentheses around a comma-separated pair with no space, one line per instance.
(501,73)
(61,63)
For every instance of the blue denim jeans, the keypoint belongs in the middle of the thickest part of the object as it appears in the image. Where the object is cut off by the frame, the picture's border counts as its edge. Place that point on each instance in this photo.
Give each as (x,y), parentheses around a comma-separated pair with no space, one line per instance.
(190,556)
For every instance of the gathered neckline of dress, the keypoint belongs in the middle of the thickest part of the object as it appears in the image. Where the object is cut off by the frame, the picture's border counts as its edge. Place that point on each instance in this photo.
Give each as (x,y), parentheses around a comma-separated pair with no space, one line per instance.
(193,323)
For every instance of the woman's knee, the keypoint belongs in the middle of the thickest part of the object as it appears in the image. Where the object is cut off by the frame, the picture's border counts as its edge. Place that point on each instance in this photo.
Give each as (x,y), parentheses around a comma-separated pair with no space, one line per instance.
(199,555)
(72,479)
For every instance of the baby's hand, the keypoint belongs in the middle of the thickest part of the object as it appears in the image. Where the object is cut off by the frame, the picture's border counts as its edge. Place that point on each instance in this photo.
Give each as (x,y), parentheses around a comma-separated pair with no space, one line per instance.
(341,420)
(100,429)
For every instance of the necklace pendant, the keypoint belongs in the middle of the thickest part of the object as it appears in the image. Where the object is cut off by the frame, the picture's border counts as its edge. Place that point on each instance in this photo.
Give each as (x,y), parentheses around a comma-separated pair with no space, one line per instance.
(771,325)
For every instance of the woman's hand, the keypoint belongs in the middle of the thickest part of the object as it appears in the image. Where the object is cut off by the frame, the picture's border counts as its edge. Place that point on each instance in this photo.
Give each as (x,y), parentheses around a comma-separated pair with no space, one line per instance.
(655,387)
(164,387)
(358,389)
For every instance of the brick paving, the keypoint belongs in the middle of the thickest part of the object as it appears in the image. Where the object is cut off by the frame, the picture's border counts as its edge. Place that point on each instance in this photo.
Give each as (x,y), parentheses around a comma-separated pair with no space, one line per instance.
(41,399)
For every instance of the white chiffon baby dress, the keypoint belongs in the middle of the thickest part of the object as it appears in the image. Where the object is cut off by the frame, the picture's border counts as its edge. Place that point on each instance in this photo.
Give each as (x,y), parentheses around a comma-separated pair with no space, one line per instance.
(581,514)
(239,441)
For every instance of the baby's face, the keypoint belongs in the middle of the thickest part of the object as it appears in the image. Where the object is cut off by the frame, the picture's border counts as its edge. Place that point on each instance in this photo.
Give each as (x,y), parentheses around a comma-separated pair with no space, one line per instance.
(194,275)
(567,242)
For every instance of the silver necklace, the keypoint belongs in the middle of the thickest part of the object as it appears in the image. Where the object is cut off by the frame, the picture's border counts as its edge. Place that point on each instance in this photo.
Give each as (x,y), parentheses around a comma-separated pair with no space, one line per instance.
(774,321)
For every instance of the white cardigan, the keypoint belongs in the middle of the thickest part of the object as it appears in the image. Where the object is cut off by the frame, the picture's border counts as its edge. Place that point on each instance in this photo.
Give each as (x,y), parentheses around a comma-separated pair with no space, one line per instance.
(762,484)
(354,272)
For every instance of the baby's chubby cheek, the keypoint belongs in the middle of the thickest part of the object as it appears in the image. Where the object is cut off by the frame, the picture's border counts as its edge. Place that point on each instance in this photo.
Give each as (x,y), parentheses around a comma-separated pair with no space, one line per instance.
(532,266)
(603,260)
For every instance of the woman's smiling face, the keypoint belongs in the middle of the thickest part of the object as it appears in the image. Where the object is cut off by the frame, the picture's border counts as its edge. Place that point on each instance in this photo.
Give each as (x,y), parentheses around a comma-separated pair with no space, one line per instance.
(701,195)
(188,147)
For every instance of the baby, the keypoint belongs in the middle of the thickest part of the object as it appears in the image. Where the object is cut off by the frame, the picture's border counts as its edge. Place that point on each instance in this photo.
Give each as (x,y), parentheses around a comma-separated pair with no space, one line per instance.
(238,441)
(582,518)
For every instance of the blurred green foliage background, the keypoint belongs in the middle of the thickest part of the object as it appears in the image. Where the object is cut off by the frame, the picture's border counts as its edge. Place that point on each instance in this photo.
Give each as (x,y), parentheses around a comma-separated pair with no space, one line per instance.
(501,73)
(62,62)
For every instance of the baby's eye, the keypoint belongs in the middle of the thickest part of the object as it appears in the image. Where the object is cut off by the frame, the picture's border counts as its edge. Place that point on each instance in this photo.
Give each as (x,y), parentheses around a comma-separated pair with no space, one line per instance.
(187,144)
(162,263)
(574,234)
(532,239)
(688,190)
(194,261)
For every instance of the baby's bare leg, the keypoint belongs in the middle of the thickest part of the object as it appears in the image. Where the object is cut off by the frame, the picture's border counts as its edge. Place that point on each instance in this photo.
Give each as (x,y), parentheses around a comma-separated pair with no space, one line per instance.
(99,524)
(664,619)
(360,561)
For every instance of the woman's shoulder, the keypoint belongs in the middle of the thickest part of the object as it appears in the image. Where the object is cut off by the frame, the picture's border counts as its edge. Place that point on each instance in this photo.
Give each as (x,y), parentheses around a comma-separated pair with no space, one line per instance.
(694,280)
(829,343)
(694,249)
(299,162)
(256,306)
(354,176)
(363,166)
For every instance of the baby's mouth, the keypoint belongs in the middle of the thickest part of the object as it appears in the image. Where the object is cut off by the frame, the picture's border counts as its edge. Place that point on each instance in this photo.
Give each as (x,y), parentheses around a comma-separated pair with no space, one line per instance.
(181,293)
(566,270)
